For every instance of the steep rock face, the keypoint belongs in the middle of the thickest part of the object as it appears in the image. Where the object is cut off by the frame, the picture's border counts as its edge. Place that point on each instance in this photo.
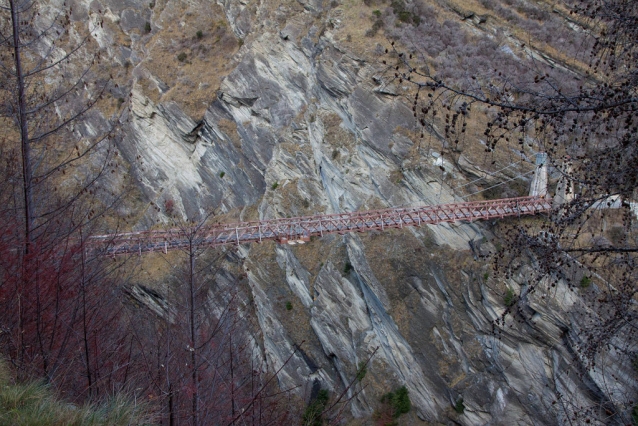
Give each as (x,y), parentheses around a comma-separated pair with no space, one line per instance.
(300,125)
(182,162)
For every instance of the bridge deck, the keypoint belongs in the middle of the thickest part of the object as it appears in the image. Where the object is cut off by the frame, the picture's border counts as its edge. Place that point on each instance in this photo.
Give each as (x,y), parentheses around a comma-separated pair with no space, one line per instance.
(300,229)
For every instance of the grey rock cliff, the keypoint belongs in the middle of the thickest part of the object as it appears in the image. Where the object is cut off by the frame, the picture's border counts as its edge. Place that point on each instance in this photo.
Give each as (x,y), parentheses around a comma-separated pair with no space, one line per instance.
(300,126)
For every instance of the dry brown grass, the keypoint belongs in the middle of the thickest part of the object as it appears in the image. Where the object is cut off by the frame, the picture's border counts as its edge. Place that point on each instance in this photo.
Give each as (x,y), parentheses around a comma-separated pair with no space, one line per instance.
(193,83)
(230,129)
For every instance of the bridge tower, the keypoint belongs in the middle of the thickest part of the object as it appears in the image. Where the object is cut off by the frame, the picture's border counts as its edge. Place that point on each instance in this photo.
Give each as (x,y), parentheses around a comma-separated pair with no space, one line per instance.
(538,187)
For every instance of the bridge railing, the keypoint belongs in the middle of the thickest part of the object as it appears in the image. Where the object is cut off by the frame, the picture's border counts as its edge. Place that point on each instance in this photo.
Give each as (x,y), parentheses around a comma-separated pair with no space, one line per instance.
(298,230)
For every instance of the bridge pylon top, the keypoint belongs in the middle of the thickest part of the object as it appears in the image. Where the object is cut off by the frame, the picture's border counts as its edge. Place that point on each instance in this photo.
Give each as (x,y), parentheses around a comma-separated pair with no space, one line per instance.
(538,188)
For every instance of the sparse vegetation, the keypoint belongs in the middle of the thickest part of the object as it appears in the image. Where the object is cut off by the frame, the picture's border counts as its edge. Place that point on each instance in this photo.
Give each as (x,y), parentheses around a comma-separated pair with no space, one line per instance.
(397,401)
(33,403)
(181,57)
(459,407)
(313,414)
(403,14)
(509,298)
(361,371)
(199,35)
(274,186)
(377,24)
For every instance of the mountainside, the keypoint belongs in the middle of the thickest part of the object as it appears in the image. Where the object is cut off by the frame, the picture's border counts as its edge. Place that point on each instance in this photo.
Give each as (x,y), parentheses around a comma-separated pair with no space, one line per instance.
(263,109)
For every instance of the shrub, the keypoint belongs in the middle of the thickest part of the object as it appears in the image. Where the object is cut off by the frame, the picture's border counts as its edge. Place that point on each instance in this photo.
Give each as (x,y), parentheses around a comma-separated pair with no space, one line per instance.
(274,186)
(404,16)
(289,305)
(151,4)
(361,371)
(399,401)
(397,6)
(181,57)
(312,415)
(486,276)
(509,297)
(147,27)
(199,34)
(222,174)
(585,281)
(459,407)
(376,13)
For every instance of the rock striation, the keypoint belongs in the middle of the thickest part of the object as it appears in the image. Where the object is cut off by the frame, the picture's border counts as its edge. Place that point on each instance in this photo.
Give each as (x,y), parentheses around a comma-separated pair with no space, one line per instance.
(302,125)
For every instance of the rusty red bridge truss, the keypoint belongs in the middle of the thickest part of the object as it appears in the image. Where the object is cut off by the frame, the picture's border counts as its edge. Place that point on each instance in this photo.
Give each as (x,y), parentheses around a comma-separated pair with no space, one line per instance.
(297,230)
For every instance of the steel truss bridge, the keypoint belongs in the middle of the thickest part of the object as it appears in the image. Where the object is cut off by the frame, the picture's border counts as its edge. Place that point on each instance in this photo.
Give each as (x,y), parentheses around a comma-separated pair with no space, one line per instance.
(298,230)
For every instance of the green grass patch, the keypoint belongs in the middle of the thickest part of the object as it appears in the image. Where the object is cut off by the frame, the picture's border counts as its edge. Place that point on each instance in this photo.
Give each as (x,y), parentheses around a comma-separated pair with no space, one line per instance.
(34,403)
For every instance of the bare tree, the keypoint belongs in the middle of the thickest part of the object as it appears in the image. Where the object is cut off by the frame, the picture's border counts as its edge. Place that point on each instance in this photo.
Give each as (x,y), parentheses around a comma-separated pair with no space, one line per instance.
(585,118)
(49,84)
(206,366)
